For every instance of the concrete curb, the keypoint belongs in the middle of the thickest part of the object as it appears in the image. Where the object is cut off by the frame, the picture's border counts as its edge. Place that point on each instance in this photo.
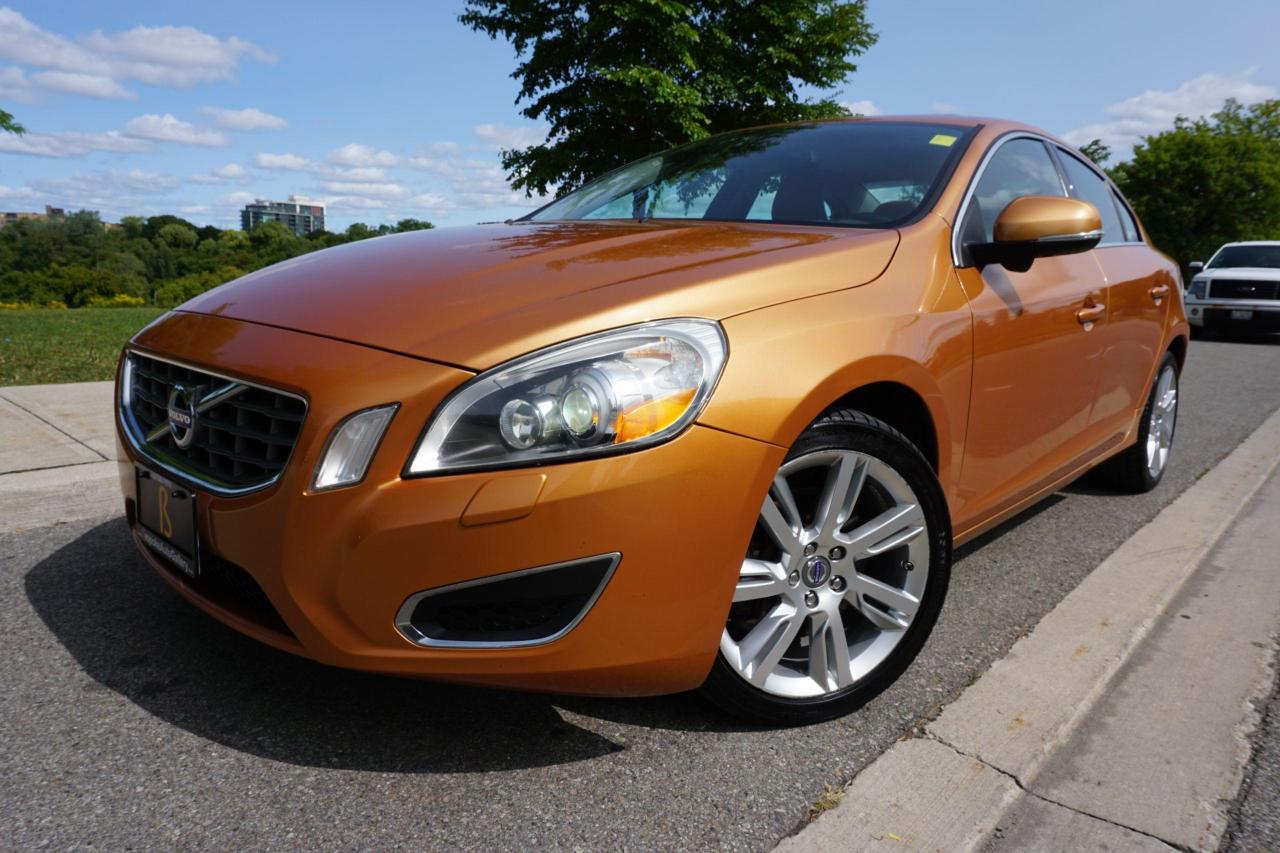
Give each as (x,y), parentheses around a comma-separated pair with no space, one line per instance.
(950,790)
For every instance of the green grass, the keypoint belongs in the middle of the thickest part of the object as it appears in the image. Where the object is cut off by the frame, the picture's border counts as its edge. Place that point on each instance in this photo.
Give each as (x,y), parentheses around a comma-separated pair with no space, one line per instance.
(76,345)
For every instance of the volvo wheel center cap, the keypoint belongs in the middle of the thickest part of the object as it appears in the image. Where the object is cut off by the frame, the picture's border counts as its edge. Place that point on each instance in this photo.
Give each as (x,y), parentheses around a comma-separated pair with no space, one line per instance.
(816,571)
(182,415)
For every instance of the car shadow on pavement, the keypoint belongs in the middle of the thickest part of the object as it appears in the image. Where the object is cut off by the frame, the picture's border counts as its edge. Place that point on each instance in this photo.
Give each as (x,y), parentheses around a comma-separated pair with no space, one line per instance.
(983,539)
(134,635)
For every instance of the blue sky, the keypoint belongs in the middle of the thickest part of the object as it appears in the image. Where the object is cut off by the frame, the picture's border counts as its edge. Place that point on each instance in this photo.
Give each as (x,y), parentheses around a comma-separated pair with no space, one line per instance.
(390,109)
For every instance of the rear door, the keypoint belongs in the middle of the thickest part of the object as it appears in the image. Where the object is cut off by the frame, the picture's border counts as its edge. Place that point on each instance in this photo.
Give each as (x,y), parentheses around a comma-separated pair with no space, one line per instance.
(1036,358)
(1139,290)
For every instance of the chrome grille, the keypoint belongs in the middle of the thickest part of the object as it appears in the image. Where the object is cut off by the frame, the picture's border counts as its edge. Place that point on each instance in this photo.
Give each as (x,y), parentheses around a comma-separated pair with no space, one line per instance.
(243,435)
(1243,288)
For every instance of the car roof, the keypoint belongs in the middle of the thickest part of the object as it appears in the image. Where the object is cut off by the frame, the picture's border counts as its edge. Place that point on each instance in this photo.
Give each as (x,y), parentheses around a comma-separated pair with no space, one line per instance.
(1251,243)
(991,127)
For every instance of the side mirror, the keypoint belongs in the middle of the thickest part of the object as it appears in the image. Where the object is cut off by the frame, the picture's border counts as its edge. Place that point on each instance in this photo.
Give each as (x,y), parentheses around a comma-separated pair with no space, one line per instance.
(1039,226)
(1195,266)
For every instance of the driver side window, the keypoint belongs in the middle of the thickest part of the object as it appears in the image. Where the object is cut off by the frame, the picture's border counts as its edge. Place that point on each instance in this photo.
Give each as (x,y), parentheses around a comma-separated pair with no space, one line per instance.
(1019,167)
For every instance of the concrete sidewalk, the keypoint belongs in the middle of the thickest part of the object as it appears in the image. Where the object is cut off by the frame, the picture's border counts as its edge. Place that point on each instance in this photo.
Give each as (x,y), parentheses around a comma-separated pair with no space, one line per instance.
(1121,721)
(57,454)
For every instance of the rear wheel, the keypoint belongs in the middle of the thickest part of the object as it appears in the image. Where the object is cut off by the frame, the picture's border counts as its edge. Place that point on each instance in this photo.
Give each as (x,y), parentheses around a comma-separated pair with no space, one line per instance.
(1141,467)
(843,579)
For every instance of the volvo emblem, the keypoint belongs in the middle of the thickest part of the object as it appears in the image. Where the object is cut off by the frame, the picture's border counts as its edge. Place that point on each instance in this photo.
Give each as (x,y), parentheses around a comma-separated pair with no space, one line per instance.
(182,414)
(816,572)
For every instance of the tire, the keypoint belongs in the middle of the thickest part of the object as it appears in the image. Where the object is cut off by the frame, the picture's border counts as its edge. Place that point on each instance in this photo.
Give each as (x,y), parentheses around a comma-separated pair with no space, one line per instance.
(799,600)
(1137,470)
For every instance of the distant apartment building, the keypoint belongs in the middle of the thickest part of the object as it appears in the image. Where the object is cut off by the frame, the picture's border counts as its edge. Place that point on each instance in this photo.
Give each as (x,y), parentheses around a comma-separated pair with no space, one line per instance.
(7,216)
(299,215)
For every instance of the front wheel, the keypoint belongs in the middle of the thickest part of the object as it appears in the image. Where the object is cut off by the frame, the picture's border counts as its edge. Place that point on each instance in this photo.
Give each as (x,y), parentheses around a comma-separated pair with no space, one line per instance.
(843,580)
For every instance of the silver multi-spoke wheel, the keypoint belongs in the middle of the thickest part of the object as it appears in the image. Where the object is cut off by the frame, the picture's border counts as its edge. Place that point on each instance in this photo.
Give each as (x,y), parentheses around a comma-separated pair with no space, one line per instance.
(836,573)
(1163,418)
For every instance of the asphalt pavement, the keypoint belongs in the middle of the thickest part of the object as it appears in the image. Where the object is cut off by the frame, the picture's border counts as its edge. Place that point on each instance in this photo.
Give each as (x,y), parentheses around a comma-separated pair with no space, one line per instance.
(131,720)
(1255,814)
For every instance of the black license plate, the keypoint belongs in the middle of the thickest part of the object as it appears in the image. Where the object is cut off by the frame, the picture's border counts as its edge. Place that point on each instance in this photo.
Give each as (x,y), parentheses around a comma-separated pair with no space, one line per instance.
(167,520)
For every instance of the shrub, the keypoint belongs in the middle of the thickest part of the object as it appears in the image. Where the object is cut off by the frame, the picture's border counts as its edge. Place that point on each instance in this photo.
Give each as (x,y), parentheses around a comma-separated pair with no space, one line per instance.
(120,300)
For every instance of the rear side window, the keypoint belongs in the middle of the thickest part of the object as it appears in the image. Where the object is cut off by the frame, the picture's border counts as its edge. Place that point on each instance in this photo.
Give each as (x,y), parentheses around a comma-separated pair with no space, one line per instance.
(1019,167)
(1085,184)
(1131,231)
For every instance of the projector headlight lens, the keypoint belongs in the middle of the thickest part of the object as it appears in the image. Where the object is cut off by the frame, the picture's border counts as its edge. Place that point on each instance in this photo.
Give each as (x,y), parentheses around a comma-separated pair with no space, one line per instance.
(620,390)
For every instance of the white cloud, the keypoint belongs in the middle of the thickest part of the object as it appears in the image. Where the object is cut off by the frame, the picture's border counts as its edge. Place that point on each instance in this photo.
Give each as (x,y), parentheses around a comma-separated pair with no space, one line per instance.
(362,173)
(367,190)
(70,144)
(244,120)
(167,128)
(502,137)
(350,154)
(15,193)
(1154,110)
(172,57)
(356,155)
(433,202)
(89,85)
(943,107)
(222,174)
(238,198)
(287,162)
(14,85)
(114,194)
(863,108)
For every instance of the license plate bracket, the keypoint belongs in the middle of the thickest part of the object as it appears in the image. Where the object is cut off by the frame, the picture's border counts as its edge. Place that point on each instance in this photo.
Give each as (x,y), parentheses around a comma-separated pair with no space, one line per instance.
(167,520)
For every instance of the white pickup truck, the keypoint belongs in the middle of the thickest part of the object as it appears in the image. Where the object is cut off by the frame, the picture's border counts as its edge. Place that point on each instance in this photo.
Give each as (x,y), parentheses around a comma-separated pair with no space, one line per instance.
(1238,289)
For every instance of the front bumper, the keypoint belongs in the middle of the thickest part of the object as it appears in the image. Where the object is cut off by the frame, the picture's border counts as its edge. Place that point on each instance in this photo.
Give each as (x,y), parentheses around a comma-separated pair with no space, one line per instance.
(337,566)
(1216,313)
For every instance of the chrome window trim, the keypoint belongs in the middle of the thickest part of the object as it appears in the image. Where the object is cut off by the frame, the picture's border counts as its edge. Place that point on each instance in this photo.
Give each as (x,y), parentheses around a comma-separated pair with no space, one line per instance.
(405,627)
(133,434)
(995,146)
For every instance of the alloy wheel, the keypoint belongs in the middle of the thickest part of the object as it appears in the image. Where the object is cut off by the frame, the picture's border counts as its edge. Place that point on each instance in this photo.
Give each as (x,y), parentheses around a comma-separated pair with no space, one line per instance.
(1163,418)
(835,575)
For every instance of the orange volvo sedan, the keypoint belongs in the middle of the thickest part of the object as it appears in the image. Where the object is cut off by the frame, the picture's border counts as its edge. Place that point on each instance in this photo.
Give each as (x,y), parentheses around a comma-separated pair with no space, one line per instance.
(715,419)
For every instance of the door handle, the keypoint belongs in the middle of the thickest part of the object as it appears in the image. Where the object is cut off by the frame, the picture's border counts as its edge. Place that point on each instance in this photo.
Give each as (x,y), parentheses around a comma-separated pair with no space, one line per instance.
(1088,314)
(1159,292)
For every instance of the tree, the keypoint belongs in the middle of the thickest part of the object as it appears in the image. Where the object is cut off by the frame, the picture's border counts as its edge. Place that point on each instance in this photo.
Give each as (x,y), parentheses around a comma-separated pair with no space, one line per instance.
(619,79)
(8,123)
(1097,151)
(1208,181)
(412,225)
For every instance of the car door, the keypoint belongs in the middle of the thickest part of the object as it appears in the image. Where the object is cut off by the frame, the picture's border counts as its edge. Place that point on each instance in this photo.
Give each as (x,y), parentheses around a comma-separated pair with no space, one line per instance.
(1139,289)
(1038,345)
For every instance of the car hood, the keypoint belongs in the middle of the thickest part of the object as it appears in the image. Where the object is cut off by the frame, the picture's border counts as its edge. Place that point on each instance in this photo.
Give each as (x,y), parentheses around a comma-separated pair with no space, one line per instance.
(1261,273)
(475,296)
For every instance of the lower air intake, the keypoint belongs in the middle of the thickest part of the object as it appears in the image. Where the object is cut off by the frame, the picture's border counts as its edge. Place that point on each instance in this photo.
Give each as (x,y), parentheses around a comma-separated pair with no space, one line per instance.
(521,608)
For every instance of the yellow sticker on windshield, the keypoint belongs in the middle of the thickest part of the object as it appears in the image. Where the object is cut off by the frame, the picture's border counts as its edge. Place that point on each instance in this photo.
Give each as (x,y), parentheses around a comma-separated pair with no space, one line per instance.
(943,139)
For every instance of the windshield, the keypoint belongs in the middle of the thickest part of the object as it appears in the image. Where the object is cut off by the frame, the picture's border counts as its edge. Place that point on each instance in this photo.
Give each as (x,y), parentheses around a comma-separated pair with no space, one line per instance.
(862,174)
(1247,256)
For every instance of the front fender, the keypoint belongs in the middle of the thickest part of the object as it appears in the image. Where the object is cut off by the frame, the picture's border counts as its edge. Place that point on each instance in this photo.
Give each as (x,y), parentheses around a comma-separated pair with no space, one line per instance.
(790,362)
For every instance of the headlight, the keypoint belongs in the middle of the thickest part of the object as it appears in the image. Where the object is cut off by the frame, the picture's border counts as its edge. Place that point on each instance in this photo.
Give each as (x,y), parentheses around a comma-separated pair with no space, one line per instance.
(1199,286)
(620,390)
